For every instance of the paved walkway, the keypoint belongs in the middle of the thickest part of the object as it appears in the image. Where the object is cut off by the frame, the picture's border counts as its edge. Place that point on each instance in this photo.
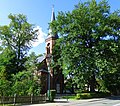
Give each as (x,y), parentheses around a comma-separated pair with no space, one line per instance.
(57,102)
(63,102)
(110,101)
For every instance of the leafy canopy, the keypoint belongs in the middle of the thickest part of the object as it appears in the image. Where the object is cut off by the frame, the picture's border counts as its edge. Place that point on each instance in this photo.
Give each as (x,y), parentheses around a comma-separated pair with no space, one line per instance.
(89,42)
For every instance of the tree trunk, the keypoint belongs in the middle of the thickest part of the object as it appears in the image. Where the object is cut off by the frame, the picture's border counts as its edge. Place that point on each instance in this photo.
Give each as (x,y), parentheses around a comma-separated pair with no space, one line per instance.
(92,83)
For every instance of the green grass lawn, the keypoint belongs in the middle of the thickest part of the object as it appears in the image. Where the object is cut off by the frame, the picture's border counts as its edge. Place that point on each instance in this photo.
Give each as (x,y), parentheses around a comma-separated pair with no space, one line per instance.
(86,95)
(69,97)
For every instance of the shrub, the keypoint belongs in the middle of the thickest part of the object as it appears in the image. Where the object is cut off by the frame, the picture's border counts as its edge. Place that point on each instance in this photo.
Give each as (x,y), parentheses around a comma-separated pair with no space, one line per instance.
(92,95)
(83,96)
(69,97)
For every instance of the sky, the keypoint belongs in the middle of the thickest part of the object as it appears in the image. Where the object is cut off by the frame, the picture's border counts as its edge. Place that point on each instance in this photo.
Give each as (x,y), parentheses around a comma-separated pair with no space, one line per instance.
(38,12)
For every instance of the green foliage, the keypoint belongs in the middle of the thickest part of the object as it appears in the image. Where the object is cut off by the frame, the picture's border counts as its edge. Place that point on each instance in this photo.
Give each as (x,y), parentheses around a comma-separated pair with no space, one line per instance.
(91,95)
(17,37)
(69,97)
(84,96)
(20,80)
(7,62)
(112,82)
(87,95)
(20,83)
(25,84)
(89,43)
(4,84)
(32,66)
(31,62)
(16,69)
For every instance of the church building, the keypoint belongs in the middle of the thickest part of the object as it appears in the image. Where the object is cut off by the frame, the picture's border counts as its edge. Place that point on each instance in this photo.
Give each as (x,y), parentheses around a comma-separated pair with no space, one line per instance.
(52,80)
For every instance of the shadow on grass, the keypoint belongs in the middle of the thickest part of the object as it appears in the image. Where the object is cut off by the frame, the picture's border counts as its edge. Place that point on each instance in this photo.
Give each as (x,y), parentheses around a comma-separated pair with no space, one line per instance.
(10,105)
(61,101)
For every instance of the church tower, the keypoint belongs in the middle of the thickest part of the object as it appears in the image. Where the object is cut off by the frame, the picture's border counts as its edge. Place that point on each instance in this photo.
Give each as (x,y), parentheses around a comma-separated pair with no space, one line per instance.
(50,41)
(56,82)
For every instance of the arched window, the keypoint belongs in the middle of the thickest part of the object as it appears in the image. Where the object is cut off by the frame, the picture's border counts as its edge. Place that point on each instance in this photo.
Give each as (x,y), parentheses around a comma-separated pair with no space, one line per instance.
(48,48)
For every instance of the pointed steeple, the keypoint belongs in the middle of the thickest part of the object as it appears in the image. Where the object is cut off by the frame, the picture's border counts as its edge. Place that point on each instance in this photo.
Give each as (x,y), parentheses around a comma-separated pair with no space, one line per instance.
(53,14)
(52,19)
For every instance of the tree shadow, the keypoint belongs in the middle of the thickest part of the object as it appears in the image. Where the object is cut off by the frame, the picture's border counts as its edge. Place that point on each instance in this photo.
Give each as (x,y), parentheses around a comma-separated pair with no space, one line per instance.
(60,101)
(113,97)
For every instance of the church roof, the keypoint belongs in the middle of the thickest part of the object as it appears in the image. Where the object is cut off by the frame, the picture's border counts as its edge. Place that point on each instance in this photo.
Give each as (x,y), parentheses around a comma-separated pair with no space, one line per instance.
(53,15)
(50,34)
(40,59)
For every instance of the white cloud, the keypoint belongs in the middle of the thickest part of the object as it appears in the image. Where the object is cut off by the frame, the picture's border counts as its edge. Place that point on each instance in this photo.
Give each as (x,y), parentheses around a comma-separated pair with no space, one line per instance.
(41,36)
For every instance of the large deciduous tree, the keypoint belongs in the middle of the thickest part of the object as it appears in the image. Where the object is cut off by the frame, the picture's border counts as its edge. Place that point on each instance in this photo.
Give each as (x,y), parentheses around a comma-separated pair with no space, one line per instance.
(89,42)
(17,37)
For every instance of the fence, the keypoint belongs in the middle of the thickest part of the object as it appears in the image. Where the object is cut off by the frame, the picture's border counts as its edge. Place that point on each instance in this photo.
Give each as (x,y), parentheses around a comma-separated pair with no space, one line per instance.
(22,99)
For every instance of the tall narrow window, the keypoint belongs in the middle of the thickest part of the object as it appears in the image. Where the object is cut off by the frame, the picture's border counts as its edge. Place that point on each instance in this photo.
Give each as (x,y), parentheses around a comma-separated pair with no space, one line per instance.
(48,48)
